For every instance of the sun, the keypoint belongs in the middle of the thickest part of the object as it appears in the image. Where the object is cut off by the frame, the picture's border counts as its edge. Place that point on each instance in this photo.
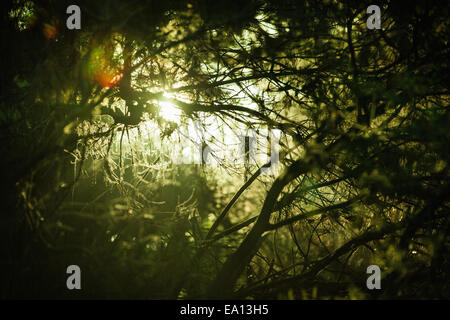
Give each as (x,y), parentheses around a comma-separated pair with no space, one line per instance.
(169,111)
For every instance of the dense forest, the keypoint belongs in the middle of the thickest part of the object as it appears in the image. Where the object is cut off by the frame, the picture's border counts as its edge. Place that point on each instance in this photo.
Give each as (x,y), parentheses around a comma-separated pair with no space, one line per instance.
(224,149)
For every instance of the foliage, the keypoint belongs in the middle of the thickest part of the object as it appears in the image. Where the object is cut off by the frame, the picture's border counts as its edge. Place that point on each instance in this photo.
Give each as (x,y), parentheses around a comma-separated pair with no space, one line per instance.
(88,178)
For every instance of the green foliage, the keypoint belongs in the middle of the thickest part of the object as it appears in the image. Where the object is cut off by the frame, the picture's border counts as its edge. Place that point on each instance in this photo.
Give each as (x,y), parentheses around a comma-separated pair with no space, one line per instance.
(87,140)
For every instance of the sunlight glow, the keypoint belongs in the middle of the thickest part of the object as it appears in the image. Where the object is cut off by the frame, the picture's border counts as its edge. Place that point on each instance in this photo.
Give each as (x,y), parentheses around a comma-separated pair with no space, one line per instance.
(169,112)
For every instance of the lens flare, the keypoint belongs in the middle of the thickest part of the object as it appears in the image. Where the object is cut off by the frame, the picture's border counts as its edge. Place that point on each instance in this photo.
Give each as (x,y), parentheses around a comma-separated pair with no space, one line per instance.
(102,69)
(108,78)
(50,31)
